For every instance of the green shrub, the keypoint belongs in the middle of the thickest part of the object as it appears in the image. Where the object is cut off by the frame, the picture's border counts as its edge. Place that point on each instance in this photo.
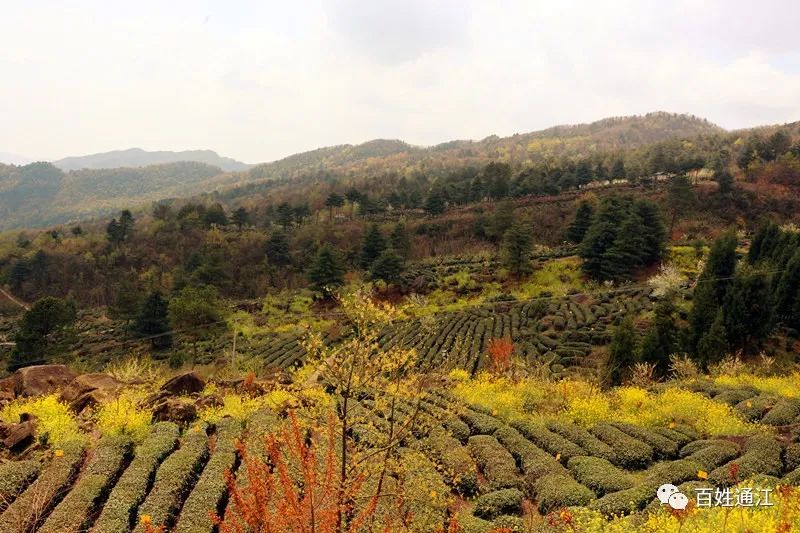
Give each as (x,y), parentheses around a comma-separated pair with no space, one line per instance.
(792,478)
(509,523)
(131,487)
(500,502)
(496,463)
(551,442)
(791,456)
(210,491)
(680,439)
(14,477)
(469,523)
(599,474)
(556,491)
(531,460)
(593,446)
(762,456)
(176,476)
(457,428)
(663,447)
(630,453)
(75,510)
(714,455)
(26,511)
(624,501)
(480,423)
(697,445)
(453,460)
(753,409)
(425,494)
(734,396)
(783,414)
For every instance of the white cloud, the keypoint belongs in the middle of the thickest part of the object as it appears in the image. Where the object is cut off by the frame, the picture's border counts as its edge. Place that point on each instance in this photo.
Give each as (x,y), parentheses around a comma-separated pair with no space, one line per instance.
(260,81)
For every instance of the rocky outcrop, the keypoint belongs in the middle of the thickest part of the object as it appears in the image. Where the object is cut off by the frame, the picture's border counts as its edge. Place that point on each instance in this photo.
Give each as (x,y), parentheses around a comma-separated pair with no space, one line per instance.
(187,383)
(87,383)
(17,437)
(41,379)
(174,410)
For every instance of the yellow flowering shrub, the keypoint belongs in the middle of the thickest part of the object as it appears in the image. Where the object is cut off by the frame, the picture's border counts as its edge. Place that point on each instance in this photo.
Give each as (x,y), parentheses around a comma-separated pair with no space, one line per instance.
(787,386)
(585,404)
(123,416)
(56,424)
(783,516)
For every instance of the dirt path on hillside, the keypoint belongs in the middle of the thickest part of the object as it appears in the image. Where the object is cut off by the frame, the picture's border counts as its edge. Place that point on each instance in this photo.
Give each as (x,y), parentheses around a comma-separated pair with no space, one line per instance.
(15,300)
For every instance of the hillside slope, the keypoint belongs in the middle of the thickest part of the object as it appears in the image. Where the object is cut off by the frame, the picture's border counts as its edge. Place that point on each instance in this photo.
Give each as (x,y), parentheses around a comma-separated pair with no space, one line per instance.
(39,195)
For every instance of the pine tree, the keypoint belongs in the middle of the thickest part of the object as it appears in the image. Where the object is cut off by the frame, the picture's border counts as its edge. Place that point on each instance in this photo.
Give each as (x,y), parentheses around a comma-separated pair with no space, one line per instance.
(712,287)
(195,310)
(654,234)
(621,353)
(126,222)
(153,321)
(334,201)
(681,199)
(435,203)
(127,302)
(516,249)
(241,217)
(400,240)
(713,344)
(764,241)
(326,272)
(372,247)
(277,249)
(583,220)
(387,267)
(748,310)
(33,338)
(624,255)
(601,235)
(661,339)
(787,293)
(114,232)
(618,169)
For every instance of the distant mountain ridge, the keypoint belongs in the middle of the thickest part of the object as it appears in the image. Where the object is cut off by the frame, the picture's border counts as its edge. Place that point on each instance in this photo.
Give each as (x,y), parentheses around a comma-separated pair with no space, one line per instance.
(45,194)
(137,157)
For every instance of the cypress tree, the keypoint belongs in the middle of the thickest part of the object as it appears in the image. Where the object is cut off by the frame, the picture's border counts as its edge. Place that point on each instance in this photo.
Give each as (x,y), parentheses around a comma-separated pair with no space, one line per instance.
(153,321)
(435,203)
(621,353)
(787,293)
(654,234)
(713,344)
(372,247)
(583,219)
(400,240)
(327,271)
(387,267)
(712,286)
(625,254)
(516,249)
(748,310)
(763,242)
(661,339)
(32,340)
(601,236)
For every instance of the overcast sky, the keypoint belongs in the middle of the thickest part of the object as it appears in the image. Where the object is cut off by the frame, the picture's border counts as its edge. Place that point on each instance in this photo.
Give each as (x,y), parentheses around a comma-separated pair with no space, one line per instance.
(258,82)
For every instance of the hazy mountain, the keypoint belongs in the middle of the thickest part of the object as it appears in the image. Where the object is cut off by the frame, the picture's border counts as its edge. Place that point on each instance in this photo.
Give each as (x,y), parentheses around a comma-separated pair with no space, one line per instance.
(136,157)
(14,159)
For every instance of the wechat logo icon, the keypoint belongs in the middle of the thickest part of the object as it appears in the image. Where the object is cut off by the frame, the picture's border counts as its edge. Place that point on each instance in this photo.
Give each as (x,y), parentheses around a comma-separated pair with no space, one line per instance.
(670,495)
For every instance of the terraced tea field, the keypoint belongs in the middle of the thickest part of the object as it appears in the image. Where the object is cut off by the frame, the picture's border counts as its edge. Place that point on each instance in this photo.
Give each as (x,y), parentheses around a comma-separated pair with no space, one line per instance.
(495,467)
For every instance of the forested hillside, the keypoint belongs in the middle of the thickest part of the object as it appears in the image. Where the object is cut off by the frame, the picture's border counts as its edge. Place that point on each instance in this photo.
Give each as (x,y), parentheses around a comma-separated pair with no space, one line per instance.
(381,162)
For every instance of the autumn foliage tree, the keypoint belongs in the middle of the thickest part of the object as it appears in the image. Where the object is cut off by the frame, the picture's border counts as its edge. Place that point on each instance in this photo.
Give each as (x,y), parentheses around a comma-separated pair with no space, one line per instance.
(500,351)
(295,489)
